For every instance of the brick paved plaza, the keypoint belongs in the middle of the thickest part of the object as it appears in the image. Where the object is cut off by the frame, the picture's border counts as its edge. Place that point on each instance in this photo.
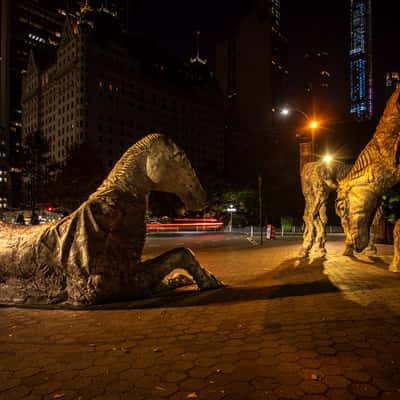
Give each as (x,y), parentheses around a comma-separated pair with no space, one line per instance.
(279,330)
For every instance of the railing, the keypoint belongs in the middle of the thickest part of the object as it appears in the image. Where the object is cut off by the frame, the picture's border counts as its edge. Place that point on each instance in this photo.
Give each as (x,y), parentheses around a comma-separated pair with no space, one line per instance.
(291,231)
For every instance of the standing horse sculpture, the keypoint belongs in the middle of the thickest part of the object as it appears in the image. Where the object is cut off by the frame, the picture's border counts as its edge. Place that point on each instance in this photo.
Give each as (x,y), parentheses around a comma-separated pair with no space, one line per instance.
(376,170)
(94,254)
(318,180)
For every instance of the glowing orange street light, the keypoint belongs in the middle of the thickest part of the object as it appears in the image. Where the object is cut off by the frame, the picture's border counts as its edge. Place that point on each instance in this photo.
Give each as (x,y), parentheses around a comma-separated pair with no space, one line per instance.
(312,123)
(313,126)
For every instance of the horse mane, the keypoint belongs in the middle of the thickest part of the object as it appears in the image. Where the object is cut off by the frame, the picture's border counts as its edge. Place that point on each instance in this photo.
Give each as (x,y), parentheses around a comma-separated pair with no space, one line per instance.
(124,164)
(380,146)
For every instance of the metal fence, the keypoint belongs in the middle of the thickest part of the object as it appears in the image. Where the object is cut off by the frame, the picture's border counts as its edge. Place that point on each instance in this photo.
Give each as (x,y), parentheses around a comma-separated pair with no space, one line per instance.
(286,231)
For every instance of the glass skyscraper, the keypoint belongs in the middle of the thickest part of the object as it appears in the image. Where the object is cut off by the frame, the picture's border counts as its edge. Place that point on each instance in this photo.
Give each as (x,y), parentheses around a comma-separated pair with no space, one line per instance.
(361,80)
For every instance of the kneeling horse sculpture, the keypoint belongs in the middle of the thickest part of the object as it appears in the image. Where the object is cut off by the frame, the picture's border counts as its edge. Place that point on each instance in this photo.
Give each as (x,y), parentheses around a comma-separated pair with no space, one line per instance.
(94,254)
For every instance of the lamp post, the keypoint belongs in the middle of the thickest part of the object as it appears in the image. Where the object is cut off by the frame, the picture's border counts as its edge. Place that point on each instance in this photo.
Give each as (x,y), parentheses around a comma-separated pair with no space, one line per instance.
(231,209)
(312,124)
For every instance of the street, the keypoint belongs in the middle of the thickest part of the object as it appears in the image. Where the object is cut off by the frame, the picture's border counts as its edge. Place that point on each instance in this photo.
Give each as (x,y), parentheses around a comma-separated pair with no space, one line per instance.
(282,328)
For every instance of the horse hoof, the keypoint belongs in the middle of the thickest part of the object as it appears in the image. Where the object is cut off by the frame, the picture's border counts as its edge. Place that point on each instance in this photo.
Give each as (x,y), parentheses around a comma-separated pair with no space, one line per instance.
(348,253)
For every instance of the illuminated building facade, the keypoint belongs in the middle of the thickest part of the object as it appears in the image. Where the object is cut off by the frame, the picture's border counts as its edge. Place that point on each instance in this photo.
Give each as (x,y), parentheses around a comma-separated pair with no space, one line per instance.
(24,24)
(361,79)
(27,24)
(252,73)
(117,8)
(110,89)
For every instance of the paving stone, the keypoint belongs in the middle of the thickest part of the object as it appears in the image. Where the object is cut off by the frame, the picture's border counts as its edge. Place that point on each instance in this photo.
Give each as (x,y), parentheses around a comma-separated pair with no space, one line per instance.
(313,387)
(310,362)
(365,390)
(357,376)
(237,343)
(16,393)
(334,381)
(289,392)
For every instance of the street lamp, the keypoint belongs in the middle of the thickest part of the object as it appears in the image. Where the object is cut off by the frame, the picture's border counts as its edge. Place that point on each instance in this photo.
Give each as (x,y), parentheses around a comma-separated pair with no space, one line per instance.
(231,209)
(312,124)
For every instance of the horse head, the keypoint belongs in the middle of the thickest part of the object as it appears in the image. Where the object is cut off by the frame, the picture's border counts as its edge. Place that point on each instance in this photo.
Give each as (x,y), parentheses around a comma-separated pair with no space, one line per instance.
(356,207)
(169,170)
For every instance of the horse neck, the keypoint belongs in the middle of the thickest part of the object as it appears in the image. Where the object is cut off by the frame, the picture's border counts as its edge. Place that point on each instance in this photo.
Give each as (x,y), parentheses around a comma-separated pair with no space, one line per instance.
(128,176)
(386,137)
(379,155)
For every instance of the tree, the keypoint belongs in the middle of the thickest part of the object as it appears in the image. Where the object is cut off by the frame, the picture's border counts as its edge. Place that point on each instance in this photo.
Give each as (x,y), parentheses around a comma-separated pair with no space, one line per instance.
(391,204)
(243,197)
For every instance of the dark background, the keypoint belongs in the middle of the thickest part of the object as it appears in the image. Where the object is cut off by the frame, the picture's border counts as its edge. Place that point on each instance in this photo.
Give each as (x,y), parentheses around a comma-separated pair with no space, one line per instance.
(309,25)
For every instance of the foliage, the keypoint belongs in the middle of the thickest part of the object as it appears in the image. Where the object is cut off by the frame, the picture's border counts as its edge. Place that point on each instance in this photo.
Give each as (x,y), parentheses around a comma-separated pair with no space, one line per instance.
(243,197)
(287,222)
(219,196)
(391,204)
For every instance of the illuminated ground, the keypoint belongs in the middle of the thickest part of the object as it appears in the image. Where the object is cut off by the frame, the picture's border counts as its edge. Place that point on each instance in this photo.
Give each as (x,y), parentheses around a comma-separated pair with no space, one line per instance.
(327,330)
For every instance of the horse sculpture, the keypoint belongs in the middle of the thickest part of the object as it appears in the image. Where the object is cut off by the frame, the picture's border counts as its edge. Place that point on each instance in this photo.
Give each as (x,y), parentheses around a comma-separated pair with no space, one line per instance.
(318,180)
(375,171)
(94,254)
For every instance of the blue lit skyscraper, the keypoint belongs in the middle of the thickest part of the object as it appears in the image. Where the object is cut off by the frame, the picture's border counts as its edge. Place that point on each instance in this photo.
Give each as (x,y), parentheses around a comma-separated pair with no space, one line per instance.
(361,81)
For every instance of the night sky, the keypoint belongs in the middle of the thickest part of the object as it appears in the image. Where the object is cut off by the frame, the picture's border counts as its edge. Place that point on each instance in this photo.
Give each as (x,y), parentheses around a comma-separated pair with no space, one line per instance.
(308,25)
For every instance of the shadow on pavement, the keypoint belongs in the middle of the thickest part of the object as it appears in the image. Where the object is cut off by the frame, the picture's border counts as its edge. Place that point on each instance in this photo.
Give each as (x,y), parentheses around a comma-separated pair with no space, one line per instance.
(373,260)
(294,277)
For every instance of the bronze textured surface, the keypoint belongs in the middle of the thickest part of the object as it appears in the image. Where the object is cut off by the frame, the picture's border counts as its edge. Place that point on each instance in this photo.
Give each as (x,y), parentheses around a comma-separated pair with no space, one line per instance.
(94,254)
(375,171)
(318,180)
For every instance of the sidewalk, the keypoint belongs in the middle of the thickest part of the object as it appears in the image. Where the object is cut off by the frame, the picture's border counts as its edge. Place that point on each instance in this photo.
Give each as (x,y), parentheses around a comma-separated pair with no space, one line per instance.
(279,330)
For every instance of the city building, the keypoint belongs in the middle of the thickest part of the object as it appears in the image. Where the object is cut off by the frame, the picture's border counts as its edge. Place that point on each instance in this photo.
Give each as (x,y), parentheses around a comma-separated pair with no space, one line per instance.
(24,24)
(317,80)
(361,71)
(252,73)
(27,24)
(117,8)
(108,89)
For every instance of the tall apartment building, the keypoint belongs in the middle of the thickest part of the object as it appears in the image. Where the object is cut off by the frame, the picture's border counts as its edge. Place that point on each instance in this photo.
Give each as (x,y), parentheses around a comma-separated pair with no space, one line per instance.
(24,24)
(252,73)
(27,24)
(109,90)
(361,72)
(117,8)
(317,80)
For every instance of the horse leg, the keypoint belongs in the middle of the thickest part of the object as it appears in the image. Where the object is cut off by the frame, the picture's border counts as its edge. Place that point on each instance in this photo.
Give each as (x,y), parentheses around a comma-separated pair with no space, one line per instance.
(371,249)
(395,264)
(349,250)
(309,228)
(156,269)
(320,224)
